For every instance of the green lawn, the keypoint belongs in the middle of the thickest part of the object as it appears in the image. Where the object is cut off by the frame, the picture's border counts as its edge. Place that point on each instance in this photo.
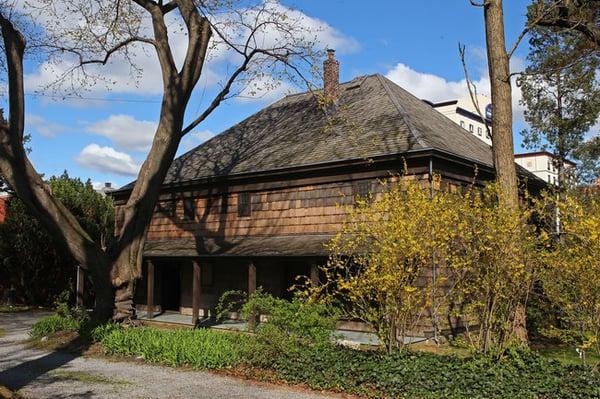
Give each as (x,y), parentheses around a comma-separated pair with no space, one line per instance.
(568,355)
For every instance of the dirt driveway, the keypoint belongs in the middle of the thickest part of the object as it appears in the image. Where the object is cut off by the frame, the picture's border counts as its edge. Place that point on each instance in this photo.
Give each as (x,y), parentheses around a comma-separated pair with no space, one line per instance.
(42,374)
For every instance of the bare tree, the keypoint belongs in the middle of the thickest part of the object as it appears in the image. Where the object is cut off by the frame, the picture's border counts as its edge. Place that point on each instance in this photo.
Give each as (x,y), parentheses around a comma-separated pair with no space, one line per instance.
(260,40)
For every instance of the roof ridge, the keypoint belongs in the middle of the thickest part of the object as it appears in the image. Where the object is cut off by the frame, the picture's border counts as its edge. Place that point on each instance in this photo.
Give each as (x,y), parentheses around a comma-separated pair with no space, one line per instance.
(401,111)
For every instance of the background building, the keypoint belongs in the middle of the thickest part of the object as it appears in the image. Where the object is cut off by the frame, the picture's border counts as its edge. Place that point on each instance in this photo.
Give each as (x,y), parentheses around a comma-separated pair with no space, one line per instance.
(464,113)
(543,165)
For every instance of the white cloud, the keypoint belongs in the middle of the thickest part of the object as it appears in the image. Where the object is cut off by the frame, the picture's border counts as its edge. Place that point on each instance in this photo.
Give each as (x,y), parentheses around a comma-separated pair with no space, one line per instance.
(125,131)
(435,88)
(432,87)
(42,126)
(118,76)
(107,160)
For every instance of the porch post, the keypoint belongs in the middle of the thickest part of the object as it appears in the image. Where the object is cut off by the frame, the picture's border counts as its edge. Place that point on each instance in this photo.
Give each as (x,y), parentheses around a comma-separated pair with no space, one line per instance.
(80,286)
(251,289)
(314,274)
(251,277)
(196,292)
(150,291)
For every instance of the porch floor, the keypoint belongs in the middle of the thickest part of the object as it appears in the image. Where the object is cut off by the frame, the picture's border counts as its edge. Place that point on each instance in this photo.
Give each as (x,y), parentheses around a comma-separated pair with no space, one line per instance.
(345,337)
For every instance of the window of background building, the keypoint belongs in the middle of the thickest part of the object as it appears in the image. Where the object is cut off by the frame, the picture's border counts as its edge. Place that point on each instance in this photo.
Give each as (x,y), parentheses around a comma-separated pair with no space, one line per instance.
(462,124)
(479,131)
(549,179)
(470,128)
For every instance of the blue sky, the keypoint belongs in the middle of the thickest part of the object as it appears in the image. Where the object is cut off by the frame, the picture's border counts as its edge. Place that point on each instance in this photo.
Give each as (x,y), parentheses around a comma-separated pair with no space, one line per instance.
(104,135)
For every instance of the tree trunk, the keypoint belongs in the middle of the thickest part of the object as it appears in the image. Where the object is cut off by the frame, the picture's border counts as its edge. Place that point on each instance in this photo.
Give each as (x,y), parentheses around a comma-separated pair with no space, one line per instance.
(502,135)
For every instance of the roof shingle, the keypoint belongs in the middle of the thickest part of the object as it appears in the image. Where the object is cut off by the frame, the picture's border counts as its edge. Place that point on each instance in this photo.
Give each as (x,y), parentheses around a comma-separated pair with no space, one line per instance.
(374,117)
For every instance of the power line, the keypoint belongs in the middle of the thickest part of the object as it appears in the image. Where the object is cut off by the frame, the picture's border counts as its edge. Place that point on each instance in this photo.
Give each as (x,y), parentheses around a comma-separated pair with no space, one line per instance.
(121,100)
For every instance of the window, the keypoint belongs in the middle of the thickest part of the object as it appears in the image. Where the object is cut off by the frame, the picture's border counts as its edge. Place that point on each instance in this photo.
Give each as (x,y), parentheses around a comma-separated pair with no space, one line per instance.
(362,189)
(189,209)
(549,165)
(554,179)
(166,208)
(549,181)
(244,204)
(470,127)
(479,131)
(462,124)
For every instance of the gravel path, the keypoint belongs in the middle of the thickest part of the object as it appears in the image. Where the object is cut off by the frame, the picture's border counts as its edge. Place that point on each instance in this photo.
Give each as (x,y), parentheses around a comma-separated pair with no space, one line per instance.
(40,374)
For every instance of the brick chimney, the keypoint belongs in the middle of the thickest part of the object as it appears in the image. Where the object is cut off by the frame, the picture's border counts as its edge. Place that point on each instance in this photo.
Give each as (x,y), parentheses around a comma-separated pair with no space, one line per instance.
(331,77)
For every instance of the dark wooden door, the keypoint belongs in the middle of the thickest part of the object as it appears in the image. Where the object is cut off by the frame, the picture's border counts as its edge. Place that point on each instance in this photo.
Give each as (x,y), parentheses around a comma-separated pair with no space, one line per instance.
(170,286)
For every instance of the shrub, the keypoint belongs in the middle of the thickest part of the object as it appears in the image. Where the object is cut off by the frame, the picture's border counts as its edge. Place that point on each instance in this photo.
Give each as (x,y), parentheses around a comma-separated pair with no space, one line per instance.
(290,326)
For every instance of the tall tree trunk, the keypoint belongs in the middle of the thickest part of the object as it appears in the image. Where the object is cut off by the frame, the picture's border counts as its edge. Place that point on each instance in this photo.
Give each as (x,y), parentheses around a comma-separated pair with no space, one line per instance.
(178,86)
(502,135)
(499,70)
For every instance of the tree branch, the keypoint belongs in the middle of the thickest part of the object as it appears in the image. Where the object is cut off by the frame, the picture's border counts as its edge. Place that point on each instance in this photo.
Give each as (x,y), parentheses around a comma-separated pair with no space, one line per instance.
(472,89)
(18,170)
(219,97)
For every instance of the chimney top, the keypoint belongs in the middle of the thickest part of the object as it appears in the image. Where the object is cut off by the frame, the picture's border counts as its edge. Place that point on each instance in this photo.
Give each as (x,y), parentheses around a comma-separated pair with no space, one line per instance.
(331,77)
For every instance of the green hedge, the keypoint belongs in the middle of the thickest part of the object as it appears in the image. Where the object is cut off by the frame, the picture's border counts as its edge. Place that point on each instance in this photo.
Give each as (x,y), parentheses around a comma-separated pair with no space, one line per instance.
(424,375)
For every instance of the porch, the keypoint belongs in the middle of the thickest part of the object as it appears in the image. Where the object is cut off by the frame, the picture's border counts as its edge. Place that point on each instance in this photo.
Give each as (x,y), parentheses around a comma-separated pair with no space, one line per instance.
(345,337)
(187,290)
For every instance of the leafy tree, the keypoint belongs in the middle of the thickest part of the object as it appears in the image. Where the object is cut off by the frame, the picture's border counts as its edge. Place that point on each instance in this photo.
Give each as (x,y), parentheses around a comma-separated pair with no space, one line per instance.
(32,262)
(561,94)
(580,16)
(257,40)
(588,156)
(571,278)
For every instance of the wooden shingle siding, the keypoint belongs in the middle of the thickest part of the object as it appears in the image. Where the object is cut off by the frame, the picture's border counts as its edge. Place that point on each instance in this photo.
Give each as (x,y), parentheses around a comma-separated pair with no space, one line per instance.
(313,209)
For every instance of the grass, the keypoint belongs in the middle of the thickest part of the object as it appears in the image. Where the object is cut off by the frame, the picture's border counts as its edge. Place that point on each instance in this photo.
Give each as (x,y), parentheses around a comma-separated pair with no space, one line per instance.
(199,349)
(568,355)
(85,377)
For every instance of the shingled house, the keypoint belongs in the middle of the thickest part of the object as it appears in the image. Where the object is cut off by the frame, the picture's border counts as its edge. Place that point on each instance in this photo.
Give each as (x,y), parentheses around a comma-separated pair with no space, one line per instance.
(255,205)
